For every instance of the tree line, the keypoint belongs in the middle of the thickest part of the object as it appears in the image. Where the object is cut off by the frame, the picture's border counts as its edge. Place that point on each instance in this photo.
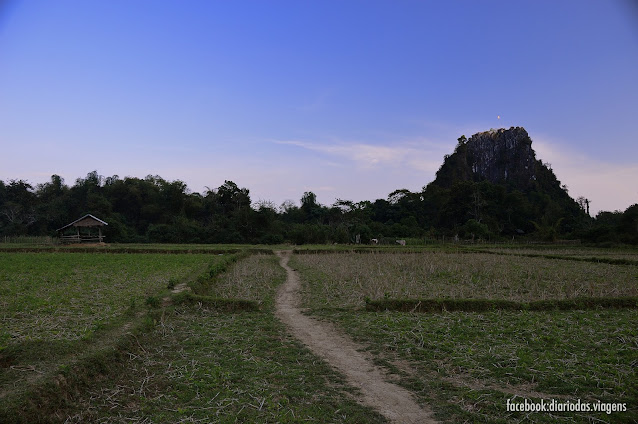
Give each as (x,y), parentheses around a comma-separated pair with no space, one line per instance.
(152,209)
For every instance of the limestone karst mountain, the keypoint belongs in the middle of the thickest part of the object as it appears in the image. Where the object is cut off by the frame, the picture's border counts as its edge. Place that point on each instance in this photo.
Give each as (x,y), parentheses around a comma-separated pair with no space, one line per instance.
(494,177)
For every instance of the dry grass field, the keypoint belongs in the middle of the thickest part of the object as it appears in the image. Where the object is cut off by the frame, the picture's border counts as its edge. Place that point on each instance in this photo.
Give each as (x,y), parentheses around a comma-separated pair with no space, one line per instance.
(345,280)
(251,280)
(467,365)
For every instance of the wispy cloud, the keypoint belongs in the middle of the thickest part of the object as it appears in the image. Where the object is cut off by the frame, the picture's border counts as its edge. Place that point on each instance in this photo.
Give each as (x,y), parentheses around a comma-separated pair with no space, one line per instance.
(418,155)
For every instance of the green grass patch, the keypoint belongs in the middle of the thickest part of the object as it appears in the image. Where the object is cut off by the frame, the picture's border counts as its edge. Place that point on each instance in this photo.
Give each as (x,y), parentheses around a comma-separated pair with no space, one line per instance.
(52,296)
(216,303)
(69,313)
(623,256)
(88,338)
(202,284)
(251,278)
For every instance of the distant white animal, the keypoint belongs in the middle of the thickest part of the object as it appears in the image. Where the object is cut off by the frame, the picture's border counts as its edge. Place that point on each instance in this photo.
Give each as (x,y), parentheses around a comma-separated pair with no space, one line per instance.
(374,241)
(401,242)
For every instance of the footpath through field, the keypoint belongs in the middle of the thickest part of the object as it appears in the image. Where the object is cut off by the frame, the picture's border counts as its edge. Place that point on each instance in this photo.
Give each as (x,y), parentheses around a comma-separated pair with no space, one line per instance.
(392,401)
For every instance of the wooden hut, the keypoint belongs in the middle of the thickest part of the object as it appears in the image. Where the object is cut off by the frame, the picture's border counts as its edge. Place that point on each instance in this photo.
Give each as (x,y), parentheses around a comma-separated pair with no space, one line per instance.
(83,232)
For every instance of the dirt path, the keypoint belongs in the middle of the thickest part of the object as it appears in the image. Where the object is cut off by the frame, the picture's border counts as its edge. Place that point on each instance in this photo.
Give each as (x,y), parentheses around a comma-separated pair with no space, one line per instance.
(392,401)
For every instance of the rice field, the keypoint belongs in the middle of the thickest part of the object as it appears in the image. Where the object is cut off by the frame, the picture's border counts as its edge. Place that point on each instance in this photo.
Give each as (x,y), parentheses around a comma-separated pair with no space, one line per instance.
(346,280)
(58,308)
(467,365)
(51,296)
(194,363)
(202,365)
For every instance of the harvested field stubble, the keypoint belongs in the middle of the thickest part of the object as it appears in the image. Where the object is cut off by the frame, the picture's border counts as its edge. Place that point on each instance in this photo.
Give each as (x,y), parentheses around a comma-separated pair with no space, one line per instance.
(253,278)
(467,364)
(345,280)
(631,255)
(200,364)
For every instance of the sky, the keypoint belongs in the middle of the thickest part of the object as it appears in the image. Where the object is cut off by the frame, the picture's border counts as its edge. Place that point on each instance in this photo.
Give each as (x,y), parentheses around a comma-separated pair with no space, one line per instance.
(348,99)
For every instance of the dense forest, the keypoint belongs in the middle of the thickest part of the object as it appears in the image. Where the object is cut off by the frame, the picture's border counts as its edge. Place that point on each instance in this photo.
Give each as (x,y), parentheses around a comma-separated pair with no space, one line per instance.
(491,187)
(152,209)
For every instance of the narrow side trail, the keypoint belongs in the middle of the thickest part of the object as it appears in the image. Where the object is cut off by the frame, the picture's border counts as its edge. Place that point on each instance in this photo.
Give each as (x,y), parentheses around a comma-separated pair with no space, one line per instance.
(392,401)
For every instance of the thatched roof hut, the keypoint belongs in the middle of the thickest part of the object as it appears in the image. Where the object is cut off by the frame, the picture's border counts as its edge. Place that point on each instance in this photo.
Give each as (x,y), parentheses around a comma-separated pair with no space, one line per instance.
(85,223)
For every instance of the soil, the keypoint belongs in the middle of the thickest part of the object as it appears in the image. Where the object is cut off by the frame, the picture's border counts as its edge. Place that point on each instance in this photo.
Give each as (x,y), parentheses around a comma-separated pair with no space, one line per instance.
(376,391)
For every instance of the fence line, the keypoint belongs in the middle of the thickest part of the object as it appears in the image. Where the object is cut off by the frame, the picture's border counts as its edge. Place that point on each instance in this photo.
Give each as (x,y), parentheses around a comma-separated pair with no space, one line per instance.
(39,240)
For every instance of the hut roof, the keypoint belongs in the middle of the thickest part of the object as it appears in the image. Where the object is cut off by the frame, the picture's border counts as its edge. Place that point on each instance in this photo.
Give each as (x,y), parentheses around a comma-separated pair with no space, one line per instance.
(87,220)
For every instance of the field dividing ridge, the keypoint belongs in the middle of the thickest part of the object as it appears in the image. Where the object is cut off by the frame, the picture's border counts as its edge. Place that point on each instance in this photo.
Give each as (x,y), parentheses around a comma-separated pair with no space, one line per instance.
(392,401)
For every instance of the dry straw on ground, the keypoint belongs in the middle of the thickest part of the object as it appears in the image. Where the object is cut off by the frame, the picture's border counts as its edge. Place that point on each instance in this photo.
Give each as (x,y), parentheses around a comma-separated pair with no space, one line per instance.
(252,278)
(345,280)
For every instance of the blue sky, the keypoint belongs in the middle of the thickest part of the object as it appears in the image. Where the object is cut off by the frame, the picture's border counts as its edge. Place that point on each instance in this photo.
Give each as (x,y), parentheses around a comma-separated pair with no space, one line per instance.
(349,99)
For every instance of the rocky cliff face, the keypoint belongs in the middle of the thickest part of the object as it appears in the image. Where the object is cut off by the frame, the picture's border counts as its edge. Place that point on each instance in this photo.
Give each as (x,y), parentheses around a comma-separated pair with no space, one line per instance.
(503,156)
(499,154)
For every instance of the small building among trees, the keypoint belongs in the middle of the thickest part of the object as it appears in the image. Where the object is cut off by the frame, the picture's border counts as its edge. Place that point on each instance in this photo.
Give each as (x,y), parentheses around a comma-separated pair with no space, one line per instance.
(83,233)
